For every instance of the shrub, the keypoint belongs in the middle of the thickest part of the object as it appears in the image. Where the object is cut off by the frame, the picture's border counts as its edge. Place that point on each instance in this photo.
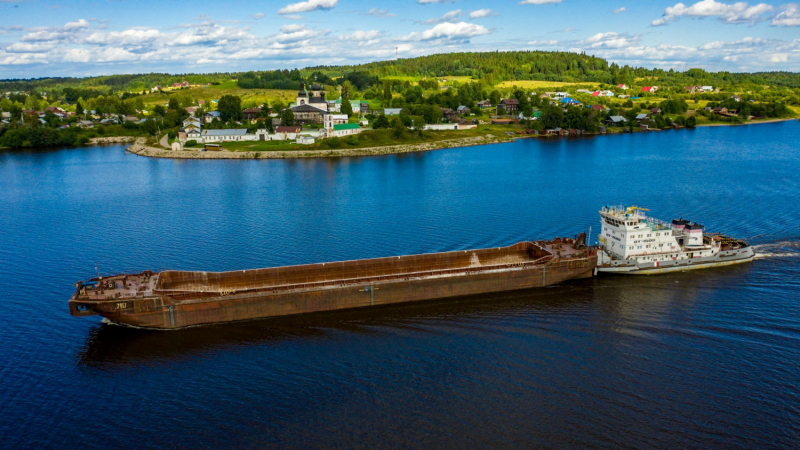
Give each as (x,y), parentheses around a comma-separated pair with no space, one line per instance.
(334,142)
(190,143)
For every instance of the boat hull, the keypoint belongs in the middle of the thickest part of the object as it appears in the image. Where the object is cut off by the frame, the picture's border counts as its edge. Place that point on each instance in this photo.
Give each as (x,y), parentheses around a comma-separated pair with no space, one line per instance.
(722,259)
(160,312)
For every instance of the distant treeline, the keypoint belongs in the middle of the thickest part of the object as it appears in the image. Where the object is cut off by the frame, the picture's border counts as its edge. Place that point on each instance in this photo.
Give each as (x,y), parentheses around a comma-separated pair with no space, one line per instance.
(488,67)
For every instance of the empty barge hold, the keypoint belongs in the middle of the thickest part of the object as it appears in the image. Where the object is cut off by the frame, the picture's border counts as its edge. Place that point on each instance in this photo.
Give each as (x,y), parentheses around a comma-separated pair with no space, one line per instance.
(176,299)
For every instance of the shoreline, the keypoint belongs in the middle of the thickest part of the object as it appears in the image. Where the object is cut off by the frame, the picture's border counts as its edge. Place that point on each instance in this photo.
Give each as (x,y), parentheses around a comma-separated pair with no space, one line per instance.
(138,148)
(746,123)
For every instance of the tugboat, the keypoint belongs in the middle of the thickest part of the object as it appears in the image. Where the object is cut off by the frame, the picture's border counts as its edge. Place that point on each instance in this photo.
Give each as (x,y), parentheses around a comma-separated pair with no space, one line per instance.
(632,243)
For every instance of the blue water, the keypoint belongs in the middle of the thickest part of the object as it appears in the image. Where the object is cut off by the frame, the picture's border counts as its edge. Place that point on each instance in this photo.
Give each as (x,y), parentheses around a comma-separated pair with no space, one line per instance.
(699,359)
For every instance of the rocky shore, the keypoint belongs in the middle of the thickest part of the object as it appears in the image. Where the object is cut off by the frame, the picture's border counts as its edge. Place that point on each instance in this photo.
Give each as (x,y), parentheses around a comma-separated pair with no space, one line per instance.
(139,148)
(110,140)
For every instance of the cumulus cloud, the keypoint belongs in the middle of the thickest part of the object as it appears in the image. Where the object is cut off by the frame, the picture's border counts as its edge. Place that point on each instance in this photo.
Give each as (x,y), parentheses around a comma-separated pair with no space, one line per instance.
(740,12)
(788,17)
(363,38)
(451,16)
(308,6)
(380,13)
(258,16)
(538,2)
(477,14)
(127,37)
(428,2)
(456,32)
(543,43)
(619,10)
(610,40)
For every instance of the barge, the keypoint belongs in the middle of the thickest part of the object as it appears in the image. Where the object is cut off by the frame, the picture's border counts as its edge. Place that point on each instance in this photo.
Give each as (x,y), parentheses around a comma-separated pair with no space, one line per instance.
(175,299)
(634,244)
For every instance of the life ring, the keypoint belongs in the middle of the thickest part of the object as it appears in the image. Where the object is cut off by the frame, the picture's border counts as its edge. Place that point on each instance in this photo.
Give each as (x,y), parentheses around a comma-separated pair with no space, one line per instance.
(644,253)
(81,308)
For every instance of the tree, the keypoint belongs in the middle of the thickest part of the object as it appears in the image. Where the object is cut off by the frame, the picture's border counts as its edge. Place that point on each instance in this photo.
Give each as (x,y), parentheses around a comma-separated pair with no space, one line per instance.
(691,121)
(494,97)
(380,122)
(347,89)
(552,116)
(78,108)
(230,108)
(347,107)
(173,104)
(387,90)
(287,117)
(265,110)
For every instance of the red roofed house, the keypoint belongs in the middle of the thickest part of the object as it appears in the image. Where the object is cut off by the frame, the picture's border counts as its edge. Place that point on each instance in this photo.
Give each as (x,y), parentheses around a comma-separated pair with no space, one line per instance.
(596,94)
(185,84)
(622,86)
(650,89)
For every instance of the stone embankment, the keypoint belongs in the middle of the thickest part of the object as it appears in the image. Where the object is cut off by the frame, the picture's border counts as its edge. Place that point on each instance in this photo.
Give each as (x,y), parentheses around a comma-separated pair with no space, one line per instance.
(141,149)
(110,140)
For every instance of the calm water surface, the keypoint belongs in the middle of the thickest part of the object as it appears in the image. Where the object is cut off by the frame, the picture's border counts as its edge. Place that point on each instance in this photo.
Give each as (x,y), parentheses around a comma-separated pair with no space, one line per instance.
(697,360)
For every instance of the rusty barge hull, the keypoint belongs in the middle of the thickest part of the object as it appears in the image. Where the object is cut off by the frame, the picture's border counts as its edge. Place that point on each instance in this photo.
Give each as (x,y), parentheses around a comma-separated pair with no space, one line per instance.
(177,299)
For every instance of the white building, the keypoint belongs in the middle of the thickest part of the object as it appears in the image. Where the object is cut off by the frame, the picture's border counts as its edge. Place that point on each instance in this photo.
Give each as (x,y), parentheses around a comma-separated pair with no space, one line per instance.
(329,120)
(232,135)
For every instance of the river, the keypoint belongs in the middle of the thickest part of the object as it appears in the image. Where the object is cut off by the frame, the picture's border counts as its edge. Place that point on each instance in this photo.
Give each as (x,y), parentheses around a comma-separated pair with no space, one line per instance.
(700,359)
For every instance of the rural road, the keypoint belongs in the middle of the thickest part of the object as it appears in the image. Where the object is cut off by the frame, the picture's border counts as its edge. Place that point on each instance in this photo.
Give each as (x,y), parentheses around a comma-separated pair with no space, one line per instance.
(164,142)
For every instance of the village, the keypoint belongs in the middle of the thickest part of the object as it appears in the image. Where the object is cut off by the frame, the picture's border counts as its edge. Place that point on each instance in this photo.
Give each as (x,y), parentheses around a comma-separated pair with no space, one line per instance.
(312,119)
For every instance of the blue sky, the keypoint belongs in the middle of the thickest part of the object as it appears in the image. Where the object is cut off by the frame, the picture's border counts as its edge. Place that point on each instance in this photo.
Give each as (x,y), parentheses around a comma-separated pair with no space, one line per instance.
(93,37)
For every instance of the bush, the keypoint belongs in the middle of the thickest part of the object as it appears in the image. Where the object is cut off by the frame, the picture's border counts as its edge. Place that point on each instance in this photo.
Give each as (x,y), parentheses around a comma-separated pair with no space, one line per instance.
(171,135)
(83,140)
(190,143)
(334,142)
(352,139)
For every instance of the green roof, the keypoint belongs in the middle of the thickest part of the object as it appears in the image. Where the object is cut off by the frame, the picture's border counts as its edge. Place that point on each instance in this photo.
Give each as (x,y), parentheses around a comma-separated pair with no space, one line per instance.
(346,126)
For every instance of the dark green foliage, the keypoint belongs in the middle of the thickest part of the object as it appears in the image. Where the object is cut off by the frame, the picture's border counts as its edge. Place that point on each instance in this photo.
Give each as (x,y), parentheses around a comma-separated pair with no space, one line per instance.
(381,122)
(691,121)
(190,143)
(333,142)
(273,79)
(287,117)
(230,108)
(38,137)
(360,79)
(346,108)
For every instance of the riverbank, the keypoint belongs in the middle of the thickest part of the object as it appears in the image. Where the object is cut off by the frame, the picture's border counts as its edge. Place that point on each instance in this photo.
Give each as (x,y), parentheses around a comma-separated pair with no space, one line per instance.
(746,123)
(139,148)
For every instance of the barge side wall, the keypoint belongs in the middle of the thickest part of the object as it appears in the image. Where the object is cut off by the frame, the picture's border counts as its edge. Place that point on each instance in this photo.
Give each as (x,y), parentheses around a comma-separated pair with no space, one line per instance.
(244,307)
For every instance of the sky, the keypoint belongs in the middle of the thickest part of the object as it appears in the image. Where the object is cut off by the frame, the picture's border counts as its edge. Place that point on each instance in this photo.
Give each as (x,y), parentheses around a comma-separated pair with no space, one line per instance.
(41,38)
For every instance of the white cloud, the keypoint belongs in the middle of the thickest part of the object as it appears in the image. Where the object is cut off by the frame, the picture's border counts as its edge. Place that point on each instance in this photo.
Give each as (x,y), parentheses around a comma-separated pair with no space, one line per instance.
(619,10)
(295,33)
(127,37)
(79,25)
(477,14)
(788,17)
(308,6)
(258,16)
(380,13)
(538,2)
(460,31)
(610,40)
(451,16)
(543,43)
(428,2)
(363,38)
(740,12)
